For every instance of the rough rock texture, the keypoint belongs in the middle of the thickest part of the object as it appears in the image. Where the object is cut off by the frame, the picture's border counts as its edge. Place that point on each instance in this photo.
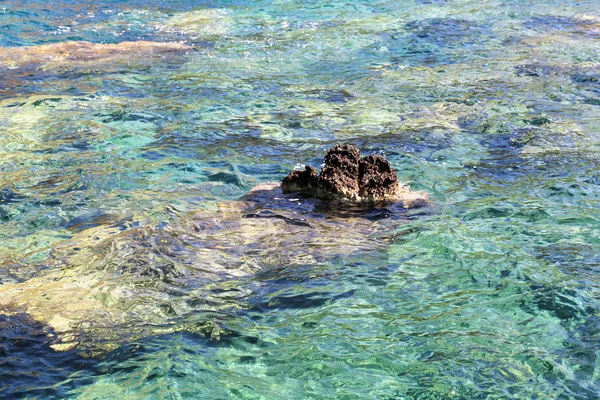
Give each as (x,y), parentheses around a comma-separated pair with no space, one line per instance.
(347,176)
(127,279)
(376,178)
(298,180)
(339,176)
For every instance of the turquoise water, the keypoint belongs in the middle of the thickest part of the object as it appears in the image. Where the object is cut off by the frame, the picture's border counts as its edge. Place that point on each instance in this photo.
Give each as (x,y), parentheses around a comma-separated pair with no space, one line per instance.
(122,179)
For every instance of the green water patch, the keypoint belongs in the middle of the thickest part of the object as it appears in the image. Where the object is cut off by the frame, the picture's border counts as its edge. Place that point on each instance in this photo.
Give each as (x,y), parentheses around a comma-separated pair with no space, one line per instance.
(116,178)
(398,330)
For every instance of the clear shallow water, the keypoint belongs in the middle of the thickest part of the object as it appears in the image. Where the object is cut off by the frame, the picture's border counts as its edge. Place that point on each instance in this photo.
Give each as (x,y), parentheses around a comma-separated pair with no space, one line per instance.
(491,107)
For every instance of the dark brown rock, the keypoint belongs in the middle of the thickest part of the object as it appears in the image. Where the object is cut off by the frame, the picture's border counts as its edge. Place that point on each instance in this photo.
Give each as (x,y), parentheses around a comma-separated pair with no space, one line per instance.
(347,176)
(301,181)
(376,178)
(339,176)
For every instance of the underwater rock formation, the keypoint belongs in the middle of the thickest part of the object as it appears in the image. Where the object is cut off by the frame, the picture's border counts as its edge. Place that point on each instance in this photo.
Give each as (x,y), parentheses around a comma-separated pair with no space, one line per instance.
(348,177)
(81,53)
(114,283)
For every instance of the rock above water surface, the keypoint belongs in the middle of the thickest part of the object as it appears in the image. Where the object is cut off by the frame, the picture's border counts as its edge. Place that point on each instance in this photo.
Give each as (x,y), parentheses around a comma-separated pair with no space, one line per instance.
(376,178)
(298,180)
(348,177)
(339,176)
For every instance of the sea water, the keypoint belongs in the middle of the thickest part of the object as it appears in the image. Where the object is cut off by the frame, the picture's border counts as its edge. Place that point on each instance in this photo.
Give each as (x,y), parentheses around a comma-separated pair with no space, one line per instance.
(492,107)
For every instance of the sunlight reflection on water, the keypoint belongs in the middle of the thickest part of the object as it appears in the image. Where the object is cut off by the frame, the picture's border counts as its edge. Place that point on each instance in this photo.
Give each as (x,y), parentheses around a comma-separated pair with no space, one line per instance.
(121,174)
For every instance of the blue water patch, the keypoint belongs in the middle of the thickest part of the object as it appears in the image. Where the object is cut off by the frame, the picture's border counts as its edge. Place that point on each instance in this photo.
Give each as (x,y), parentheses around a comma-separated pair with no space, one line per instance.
(124,178)
(29,368)
(573,25)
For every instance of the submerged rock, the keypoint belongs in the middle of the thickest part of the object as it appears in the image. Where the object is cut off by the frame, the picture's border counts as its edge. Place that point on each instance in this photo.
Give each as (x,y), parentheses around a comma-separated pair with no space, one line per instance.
(81,53)
(348,177)
(112,283)
(107,284)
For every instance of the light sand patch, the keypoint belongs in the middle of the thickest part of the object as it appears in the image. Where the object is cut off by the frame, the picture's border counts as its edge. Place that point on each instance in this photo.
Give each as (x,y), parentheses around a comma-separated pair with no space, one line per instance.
(198,23)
